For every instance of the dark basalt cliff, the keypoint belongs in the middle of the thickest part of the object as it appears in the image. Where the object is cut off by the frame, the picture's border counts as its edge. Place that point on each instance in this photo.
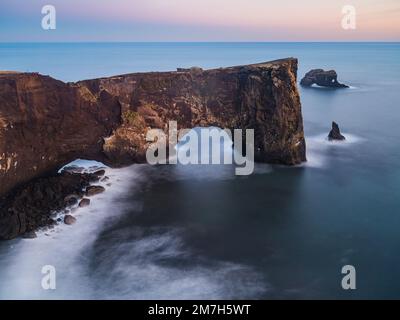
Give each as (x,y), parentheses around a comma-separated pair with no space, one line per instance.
(46,123)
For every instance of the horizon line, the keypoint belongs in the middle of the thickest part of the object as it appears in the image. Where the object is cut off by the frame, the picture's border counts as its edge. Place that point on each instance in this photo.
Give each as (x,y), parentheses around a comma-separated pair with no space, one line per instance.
(213,41)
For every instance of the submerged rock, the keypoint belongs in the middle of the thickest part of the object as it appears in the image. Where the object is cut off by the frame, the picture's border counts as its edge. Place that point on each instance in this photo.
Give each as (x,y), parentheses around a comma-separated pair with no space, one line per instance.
(68,219)
(335,134)
(84,202)
(322,78)
(93,190)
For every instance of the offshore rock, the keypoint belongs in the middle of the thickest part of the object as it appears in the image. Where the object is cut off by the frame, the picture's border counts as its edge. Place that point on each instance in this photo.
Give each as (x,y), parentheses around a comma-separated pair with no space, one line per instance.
(322,78)
(335,134)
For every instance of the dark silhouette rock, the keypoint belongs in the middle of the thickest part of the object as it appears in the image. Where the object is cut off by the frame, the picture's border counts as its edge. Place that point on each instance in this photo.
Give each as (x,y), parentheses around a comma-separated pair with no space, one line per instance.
(335,134)
(322,78)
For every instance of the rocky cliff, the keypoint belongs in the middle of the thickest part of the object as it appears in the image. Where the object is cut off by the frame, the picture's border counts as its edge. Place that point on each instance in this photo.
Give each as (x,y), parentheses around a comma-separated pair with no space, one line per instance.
(45,123)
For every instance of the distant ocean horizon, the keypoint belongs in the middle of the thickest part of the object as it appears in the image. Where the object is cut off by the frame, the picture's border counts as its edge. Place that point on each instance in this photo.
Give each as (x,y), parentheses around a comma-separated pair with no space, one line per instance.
(74,61)
(183,232)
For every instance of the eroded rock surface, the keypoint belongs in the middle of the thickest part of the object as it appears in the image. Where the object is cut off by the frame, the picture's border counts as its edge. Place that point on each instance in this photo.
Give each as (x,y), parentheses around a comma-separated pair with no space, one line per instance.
(262,97)
(322,78)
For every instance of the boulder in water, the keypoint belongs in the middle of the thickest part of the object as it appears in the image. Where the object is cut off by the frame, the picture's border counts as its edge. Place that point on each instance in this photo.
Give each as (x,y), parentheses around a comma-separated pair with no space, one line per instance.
(93,190)
(68,219)
(84,202)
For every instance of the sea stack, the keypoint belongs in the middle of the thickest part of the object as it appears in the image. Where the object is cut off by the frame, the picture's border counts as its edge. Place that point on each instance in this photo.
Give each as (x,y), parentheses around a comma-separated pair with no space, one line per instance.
(322,78)
(335,133)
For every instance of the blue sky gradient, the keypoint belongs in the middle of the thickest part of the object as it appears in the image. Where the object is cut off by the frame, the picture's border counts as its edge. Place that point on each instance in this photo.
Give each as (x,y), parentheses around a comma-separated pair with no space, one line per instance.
(199,20)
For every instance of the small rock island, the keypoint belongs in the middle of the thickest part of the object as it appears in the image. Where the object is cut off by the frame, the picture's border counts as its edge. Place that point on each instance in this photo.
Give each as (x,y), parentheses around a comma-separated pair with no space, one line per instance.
(322,78)
(335,134)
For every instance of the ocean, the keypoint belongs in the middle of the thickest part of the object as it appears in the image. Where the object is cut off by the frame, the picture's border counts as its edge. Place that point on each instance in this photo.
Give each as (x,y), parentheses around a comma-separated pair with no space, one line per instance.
(200,232)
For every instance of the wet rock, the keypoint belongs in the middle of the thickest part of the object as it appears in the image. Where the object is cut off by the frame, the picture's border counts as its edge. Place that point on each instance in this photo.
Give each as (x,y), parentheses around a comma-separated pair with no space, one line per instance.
(99,173)
(32,205)
(71,200)
(84,202)
(335,134)
(68,219)
(105,179)
(93,190)
(322,78)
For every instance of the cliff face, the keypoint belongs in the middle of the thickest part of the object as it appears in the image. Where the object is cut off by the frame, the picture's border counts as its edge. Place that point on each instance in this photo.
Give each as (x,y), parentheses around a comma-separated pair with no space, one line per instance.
(45,123)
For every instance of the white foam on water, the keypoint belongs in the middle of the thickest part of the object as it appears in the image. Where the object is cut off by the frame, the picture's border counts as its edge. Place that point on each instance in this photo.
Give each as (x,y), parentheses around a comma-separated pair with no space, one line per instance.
(64,244)
(318,145)
(127,268)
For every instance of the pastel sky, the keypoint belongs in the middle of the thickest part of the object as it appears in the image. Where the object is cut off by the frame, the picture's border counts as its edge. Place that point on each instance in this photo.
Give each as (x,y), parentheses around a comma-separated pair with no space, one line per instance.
(200,20)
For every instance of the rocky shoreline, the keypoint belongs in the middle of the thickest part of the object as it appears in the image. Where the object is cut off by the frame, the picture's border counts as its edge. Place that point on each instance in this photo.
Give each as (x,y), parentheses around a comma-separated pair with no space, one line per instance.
(37,204)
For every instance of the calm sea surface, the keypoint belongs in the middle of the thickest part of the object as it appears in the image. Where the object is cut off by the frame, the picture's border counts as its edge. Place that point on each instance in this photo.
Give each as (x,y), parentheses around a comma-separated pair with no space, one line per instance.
(179,232)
